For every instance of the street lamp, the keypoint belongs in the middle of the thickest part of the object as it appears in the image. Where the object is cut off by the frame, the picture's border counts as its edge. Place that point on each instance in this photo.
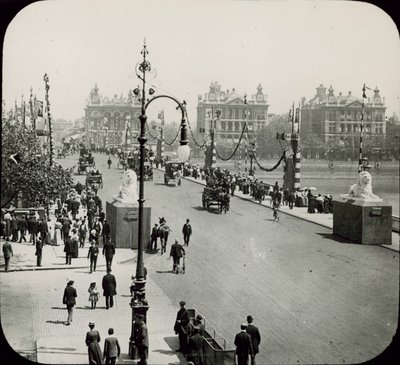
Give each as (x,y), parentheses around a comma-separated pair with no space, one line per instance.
(139,303)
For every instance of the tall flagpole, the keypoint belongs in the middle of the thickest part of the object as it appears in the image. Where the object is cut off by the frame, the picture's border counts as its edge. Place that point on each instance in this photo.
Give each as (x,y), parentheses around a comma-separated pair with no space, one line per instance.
(361,131)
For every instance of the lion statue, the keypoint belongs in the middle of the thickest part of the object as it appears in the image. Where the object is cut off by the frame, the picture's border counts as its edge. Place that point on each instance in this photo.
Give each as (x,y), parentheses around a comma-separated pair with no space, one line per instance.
(127,190)
(363,188)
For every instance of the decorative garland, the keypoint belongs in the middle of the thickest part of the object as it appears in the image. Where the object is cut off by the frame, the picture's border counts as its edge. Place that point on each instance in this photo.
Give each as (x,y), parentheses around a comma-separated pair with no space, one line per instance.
(272,168)
(236,148)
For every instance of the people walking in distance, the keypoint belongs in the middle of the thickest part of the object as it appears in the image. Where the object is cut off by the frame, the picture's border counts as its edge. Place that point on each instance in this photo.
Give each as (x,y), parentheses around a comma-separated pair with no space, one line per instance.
(92,342)
(93,235)
(68,249)
(109,285)
(93,253)
(187,232)
(255,338)
(44,230)
(112,350)
(181,327)
(196,347)
(244,347)
(39,251)
(98,227)
(66,228)
(57,233)
(106,231)
(93,294)
(108,252)
(7,252)
(154,237)
(33,228)
(141,338)
(69,300)
(109,162)
(177,251)
(14,227)
(82,233)
(23,225)
(7,218)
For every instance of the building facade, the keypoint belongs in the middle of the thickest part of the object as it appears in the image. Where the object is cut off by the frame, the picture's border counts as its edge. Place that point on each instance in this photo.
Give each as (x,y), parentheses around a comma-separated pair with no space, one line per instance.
(111,122)
(226,112)
(336,119)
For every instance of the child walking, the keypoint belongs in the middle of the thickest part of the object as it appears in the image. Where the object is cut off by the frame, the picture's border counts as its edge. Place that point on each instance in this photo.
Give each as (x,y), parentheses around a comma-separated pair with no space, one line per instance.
(93,294)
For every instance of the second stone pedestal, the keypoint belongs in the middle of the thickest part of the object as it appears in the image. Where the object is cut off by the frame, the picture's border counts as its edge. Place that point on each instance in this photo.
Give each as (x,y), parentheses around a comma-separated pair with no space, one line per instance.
(124,224)
(368,223)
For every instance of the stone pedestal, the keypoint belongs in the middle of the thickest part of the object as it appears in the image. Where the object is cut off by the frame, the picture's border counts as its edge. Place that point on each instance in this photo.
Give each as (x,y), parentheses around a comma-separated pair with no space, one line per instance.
(367,223)
(124,223)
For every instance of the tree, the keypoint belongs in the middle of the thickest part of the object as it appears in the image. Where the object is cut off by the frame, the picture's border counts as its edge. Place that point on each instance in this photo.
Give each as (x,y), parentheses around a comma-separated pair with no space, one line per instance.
(32,175)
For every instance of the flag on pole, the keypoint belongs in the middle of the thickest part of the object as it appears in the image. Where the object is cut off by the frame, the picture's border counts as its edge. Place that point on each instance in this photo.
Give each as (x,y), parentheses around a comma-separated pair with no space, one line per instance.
(290,116)
(39,108)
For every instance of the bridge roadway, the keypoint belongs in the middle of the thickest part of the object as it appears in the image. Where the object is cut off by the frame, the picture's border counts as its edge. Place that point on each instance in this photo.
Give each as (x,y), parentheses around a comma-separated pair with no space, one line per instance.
(314,299)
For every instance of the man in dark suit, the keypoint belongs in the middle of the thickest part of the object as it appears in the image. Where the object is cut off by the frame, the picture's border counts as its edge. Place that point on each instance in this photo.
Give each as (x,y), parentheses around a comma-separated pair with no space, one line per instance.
(68,249)
(32,227)
(244,347)
(177,251)
(141,338)
(112,349)
(255,338)
(153,237)
(8,252)
(106,231)
(187,231)
(181,327)
(69,300)
(108,252)
(44,230)
(66,227)
(39,250)
(109,285)
(23,225)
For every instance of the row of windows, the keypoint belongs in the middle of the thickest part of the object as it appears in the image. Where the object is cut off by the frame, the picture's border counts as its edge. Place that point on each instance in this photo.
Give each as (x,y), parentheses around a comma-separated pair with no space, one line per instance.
(238,126)
(240,113)
(353,115)
(349,128)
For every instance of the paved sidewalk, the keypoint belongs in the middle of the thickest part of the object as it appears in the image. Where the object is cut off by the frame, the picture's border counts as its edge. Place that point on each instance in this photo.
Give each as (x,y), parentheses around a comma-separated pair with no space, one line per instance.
(57,343)
(322,219)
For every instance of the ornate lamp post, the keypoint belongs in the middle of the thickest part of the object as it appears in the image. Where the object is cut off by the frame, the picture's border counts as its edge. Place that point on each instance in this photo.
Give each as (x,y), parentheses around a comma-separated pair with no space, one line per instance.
(139,303)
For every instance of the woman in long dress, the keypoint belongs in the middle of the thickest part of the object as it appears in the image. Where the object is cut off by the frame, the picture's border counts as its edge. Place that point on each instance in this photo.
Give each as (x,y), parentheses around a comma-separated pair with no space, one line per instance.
(92,342)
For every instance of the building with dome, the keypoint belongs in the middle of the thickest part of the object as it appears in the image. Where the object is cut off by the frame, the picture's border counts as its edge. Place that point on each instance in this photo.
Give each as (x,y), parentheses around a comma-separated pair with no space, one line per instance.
(336,119)
(107,119)
(227,111)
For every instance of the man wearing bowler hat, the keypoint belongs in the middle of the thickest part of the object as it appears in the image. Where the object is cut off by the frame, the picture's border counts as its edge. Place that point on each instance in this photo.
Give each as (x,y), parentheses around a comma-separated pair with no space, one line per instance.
(182,328)
(69,300)
(244,346)
(109,285)
(255,338)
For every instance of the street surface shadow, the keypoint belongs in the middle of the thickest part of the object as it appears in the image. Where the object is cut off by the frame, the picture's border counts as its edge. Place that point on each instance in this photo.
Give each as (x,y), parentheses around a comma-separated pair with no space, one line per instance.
(165,272)
(56,322)
(173,344)
(59,308)
(85,307)
(338,239)
(199,207)
(126,296)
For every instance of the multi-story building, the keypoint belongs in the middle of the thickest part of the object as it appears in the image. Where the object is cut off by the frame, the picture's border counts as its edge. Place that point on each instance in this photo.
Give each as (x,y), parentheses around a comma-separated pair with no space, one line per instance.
(336,119)
(106,120)
(231,111)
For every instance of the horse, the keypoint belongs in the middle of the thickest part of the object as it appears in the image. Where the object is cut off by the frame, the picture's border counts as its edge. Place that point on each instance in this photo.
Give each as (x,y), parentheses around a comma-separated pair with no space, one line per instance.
(163,232)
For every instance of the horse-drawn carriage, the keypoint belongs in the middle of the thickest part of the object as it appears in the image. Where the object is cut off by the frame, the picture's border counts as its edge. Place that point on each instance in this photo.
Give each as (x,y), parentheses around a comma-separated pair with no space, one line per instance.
(216,196)
(84,163)
(172,172)
(94,177)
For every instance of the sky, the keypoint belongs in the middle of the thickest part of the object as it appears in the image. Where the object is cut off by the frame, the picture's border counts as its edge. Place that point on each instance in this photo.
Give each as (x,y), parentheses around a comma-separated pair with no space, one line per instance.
(290,47)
